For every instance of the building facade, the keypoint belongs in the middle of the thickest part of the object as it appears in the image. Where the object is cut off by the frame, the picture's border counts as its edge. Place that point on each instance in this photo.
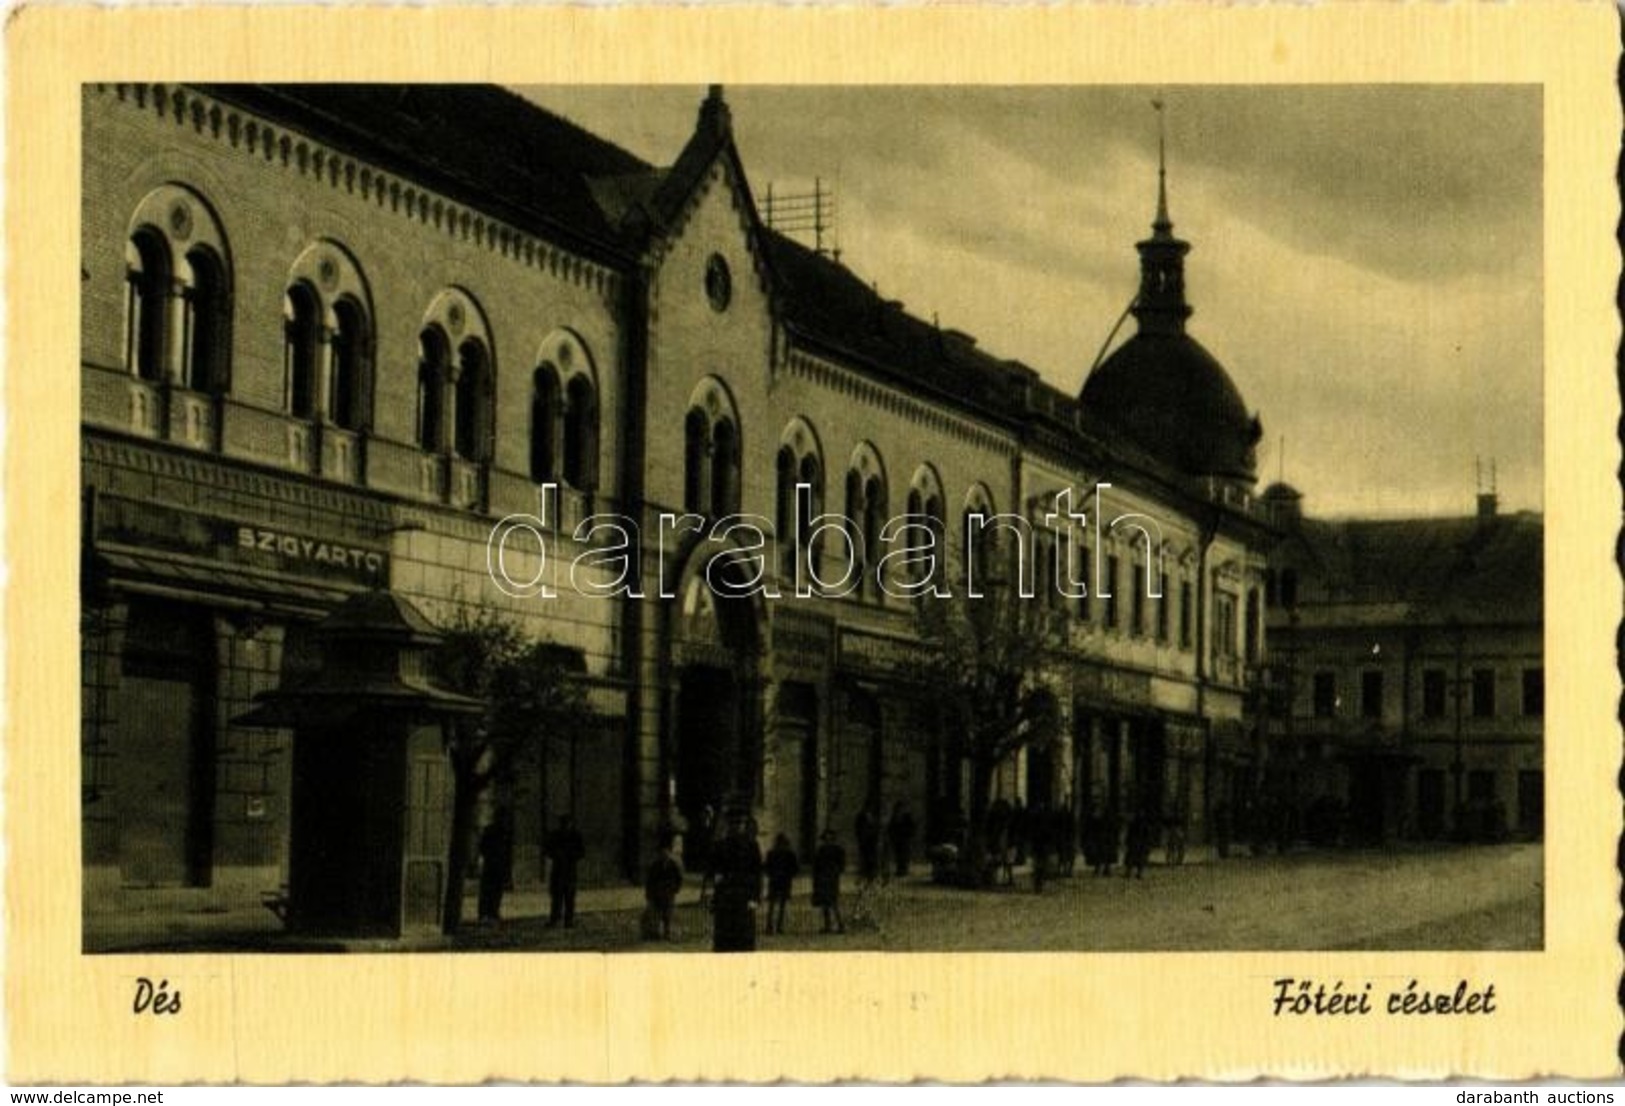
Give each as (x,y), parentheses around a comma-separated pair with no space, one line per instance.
(334,336)
(1407,679)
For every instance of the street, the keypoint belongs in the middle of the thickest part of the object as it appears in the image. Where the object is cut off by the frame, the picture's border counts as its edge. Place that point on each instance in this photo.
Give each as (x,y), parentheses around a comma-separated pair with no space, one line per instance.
(1485,897)
(1480,898)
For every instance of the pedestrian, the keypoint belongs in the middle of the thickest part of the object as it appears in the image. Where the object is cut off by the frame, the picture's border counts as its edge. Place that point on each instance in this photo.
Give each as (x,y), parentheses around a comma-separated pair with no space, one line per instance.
(1109,832)
(697,845)
(1137,848)
(1038,822)
(900,834)
(737,860)
(1019,830)
(998,838)
(1066,838)
(660,886)
(565,850)
(829,861)
(868,830)
(1176,840)
(496,863)
(782,868)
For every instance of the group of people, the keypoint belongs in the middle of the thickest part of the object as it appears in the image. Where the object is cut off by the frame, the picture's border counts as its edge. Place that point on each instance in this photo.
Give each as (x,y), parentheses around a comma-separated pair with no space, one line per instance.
(734,876)
(1016,833)
(564,848)
(899,831)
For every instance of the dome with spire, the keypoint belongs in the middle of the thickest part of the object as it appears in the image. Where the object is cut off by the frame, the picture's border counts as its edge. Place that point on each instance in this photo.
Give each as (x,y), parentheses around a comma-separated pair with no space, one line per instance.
(1161,387)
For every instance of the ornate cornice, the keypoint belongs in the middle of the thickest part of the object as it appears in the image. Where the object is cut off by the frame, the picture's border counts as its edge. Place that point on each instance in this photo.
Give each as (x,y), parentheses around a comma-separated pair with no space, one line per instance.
(285,148)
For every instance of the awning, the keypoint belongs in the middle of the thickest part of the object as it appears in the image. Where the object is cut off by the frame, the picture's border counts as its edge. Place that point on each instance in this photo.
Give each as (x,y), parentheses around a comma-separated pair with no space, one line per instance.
(214,582)
(338,705)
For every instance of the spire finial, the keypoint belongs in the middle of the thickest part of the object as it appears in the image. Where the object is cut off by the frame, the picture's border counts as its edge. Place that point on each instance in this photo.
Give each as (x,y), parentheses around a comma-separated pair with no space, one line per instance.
(1162,221)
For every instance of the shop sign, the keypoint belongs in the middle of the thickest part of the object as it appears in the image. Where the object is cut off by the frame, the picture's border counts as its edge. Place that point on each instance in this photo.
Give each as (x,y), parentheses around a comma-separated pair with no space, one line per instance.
(158,528)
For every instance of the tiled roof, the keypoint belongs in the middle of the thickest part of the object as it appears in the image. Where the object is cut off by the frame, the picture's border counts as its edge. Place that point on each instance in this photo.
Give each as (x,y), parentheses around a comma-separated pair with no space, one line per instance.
(1440,569)
(482,145)
(504,154)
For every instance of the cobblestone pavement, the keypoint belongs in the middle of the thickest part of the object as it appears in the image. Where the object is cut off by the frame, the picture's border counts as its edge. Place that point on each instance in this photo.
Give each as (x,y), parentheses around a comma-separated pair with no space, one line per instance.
(1444,898)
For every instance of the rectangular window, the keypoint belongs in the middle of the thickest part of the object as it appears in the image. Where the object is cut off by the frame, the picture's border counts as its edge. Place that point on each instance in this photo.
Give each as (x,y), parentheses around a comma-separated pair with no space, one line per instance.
(1111,591)
(1325,694)
(1371,694)
(1162,608)
(1224,625)
(1137,578)
(1184,614)
(1534,691)
(1087,599)
(1433,694)
(1483,693)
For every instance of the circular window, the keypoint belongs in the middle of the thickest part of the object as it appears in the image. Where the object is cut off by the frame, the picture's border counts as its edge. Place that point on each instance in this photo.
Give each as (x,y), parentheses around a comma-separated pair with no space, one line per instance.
(718,282)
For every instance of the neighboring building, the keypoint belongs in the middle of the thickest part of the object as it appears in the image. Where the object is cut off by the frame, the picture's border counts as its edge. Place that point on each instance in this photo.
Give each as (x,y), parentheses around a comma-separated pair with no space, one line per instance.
(1408,673)
(333,334)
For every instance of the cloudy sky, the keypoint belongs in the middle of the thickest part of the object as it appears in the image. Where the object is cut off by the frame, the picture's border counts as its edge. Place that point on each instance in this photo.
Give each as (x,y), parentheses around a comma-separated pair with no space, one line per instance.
(1366,261)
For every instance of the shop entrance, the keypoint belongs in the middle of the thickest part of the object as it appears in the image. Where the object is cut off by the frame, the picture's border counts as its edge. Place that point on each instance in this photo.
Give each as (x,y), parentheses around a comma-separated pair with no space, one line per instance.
(707,737)
(166,742)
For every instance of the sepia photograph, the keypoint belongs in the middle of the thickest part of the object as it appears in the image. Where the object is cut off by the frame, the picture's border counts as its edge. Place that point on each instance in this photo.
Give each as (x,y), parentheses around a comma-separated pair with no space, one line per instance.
(812,519)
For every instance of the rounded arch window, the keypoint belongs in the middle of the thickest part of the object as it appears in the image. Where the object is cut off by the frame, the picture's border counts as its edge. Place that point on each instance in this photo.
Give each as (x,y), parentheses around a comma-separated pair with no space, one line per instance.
(564,425)
(330,370)
(178,296)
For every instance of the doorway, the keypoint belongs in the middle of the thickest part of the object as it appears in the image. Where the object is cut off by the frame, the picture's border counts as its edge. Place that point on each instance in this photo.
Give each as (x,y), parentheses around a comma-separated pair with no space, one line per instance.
(707,738)
(166,745)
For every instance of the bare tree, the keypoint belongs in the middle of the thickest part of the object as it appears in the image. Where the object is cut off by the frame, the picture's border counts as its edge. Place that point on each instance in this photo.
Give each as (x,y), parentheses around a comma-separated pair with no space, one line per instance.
(532,697)
(978,665)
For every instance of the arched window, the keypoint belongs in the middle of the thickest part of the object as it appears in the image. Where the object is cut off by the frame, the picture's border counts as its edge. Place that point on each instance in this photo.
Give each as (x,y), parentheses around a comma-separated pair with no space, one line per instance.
(564,413)
(301,333)
(346,406)
(434,357)
(148,283)
(581,435)
(784,517)
(874,521)
(800,461)
(925,505)
(334,353)
(472,440)
(696,462)
(208,322)
(724,467)
(544,419)
(981,540)
(712,451)
(812,474)
(178,292)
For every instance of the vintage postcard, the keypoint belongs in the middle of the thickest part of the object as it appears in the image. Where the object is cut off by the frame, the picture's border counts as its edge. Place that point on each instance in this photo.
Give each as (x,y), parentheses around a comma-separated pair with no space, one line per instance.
(761,543)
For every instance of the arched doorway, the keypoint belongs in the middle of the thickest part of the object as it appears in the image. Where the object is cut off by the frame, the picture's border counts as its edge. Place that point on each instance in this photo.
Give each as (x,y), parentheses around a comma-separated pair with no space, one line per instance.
(716,734)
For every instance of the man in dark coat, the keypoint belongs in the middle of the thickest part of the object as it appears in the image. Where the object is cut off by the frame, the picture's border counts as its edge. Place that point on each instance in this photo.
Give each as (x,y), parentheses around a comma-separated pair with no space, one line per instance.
(782,868)
(660,887)
(900,834)
(496,863)
(697,845)
(565,849)
(829,861)
(737,860)
(1137,847)
(868,830)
